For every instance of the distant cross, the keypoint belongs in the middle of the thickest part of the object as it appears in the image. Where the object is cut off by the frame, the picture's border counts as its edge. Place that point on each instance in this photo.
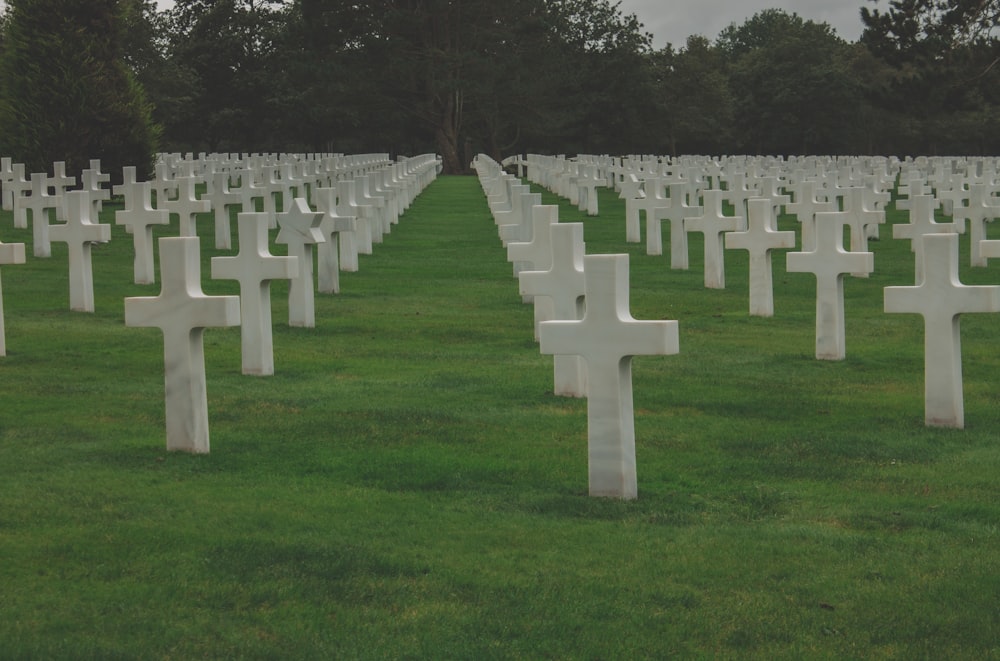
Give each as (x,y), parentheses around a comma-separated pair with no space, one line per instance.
(40,203)
(536,253)
(79,233)
(299,230)
(92,180)
(255,267)
(941,298)
(183,312)
(921,223)
(138,219)
(829,262)
(338,235)
(675,211)
(14,190)
(221,198)
(563,286)
(187,206)
(712,223)
(983,208)
(10,253)
(760,238)
(805,207)
(606,338)
(61,184)
(348,240)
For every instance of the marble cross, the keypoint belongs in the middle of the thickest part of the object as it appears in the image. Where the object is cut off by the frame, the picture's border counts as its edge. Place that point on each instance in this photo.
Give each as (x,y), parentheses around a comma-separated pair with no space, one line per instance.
(254,267)
(941,298)
(221,197)
(187,206)
(536,253)
(983,208)
(606,338)
(675,211)
(338,234)
(10,253)
(713,224)
(79,233)
(40,203)
(829,262)
(759,239)
(138,219)
(805,207)
(563,286)
(299,230)
(183,312)
(921,223)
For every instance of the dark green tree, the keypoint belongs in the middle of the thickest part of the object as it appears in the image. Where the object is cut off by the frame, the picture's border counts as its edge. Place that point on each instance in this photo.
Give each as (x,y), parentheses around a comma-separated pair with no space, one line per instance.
(66,92)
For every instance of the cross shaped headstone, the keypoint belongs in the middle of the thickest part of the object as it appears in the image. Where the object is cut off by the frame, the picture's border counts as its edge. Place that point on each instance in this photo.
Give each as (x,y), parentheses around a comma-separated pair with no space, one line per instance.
(941,298)
(183,312)
(299,230)
(138,219)
(338,235)
(61,184)
(829,262)
(563,285)
(14,190)
(675,210)
(921,223)
(760,238)
(805,207)
(983,208)
(80,233)
(712,223)
(606,338)
(534,254)
(220,197)
(10,253)
(40,203)
(187,206)
(255,267)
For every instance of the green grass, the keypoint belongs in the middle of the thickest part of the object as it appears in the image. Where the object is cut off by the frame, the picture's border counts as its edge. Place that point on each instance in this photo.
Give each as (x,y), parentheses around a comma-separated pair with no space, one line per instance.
(406,485)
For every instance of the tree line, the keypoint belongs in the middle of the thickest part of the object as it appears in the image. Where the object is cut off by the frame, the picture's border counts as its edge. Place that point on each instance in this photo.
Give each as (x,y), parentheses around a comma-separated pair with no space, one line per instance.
(119,79)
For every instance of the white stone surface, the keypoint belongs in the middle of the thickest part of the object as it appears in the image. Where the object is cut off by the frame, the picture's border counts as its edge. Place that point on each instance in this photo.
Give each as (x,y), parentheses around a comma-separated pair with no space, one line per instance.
(187,206)
(606,338)
(182,311)
(922,223)
(299,230)
(138,217)
(713,224)
(941,298)
(80,233)
(564,287)
(40,203)
(254,267)
(338,234)
(759,239)
(10,253)
(830,263)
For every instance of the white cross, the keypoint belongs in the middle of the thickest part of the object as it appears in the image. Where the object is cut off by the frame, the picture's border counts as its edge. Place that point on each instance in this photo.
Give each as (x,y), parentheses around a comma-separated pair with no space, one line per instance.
(606,338)
(712,223)
(563,286)
(941,298)
(255,267)
(829,262)
(805,207)
(183,312)
(983,207)
(187,206)
(338,235)
(138,219)
(39,203)
(675,210)
(10,253)
(79,233)
(536,253)
(921,223)
(220,197)
(760,238)
(299,230)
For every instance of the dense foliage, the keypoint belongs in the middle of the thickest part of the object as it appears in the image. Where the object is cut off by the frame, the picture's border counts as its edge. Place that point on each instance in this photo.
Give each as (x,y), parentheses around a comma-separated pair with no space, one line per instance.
(67,92)
(465,76)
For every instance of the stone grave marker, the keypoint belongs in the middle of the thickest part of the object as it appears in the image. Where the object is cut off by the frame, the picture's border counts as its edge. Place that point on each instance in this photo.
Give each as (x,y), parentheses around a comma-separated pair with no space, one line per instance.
(138,219)
(713,224)
(299,230)
(564,286)
(40,203)
(759,239)
(187,206)
(79,233)
(606,338)
(921,223)
(675,211)
(254,267)
(10,253)
(183,312)
(830,263)
(338,235)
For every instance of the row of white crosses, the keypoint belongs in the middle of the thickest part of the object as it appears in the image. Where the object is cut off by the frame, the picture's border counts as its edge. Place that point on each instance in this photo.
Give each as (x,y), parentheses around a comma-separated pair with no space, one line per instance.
(181,310)
(829,195)
(584,322)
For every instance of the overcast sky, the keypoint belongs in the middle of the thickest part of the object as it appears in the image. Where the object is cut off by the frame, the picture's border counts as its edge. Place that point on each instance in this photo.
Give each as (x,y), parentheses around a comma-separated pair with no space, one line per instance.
(673,21)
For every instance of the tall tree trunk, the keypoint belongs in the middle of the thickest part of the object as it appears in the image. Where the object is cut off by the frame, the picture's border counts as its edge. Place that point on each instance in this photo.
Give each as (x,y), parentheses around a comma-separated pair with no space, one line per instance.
(446,135)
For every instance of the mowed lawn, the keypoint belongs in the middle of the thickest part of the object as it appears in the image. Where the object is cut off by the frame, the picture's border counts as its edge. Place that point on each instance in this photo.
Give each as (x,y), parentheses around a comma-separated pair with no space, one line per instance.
(407,486)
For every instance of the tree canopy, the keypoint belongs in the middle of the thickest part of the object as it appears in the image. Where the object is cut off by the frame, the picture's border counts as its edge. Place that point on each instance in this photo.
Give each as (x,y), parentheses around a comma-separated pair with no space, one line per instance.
(464,76)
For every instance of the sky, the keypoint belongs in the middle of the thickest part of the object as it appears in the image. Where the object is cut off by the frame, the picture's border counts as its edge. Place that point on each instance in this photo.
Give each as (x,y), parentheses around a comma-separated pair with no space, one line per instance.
(673,21)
